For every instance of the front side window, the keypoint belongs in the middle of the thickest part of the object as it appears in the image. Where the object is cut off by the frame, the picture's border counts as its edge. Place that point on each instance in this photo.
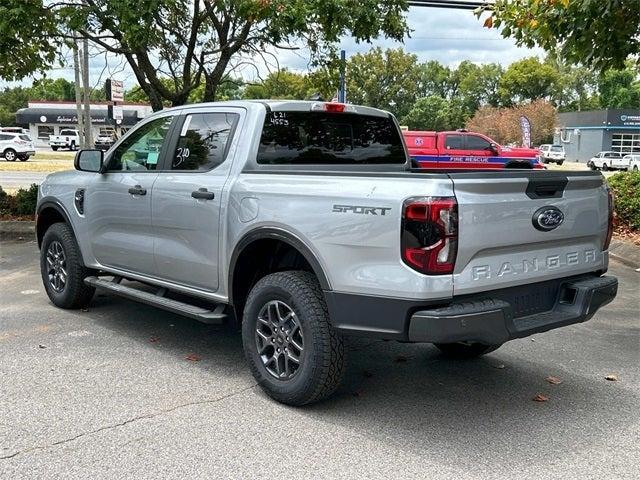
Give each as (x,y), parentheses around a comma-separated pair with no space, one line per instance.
(475,142)
(69,133)
(454,142)
(308,138)
(204,141)
(141,150)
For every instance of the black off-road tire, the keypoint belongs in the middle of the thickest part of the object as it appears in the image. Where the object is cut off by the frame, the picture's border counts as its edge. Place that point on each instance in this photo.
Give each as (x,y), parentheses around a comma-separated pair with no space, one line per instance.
(560,162)
(75,293)
(72,147)
(55,149)
(323,361)
(465,350)
(605,167)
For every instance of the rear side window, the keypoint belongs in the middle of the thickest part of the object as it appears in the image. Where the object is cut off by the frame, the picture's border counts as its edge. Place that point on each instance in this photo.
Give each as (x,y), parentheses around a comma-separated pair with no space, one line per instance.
(305,138)
(454,142)
(26,138)
(4,138)
(70,133)
(204,141)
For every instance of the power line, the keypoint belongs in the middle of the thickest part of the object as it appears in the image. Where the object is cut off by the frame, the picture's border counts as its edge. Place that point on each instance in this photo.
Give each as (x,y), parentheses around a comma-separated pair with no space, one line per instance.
(452,4)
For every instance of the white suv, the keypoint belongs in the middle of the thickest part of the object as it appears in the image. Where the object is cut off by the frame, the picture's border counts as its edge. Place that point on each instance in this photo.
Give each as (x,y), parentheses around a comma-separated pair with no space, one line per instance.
(634,163)
(16,146)
(552,153)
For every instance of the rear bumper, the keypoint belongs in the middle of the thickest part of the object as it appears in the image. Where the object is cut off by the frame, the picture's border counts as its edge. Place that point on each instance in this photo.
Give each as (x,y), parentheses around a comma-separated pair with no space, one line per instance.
(492,317)
(492,321)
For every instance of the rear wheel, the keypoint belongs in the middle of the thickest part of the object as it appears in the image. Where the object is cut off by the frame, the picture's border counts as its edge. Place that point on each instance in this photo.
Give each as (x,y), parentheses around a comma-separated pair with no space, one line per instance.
(293,351)
(10,155)
(605,167)
(635,168)
(72,147)
(62,269)
(560,162)
(463,350)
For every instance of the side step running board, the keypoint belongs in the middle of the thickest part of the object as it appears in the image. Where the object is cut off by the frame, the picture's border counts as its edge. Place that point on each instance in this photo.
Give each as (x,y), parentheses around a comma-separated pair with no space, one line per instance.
(212,317)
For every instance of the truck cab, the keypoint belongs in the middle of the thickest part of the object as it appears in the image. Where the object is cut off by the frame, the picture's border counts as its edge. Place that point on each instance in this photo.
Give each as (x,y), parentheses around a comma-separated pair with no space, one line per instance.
(462,150)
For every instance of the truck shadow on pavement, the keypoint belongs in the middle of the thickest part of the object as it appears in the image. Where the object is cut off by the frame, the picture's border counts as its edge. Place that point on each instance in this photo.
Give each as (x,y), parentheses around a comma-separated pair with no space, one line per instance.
(410,396)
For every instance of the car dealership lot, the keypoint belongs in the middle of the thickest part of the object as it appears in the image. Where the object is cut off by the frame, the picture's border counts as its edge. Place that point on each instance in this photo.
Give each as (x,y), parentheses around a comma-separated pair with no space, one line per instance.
(127,391)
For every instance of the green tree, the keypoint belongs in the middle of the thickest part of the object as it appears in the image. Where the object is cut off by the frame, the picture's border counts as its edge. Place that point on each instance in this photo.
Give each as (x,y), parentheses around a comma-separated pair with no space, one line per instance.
(49,89)
(435,113)
(387,79)
(527,80)
(435,79)
(478,84)
(619,89)
(197,42)
(281,84)
(28,41)
(600,34)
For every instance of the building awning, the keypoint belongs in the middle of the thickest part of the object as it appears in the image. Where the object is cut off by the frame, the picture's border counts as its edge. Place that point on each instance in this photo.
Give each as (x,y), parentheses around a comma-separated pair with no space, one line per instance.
(67,116)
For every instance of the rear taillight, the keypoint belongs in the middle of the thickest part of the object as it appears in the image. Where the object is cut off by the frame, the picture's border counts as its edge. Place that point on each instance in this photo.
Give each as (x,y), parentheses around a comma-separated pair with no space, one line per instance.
(430,234)
(332,107)
(607,240)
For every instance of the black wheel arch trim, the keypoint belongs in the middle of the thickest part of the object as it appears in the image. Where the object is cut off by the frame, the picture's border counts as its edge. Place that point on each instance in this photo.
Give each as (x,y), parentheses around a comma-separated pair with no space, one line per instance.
(262,233)
(51,202)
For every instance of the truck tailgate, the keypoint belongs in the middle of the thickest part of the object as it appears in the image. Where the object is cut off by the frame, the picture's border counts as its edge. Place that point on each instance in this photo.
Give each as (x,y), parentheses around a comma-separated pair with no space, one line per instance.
(501,244)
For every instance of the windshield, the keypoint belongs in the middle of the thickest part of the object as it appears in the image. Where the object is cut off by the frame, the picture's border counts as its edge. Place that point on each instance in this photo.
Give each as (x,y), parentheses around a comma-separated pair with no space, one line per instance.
(305,138)
(557,148)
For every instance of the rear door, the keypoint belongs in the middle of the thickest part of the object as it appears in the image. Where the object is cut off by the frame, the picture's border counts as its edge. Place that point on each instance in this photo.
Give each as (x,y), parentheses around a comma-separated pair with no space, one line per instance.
(187,197)
(501,240)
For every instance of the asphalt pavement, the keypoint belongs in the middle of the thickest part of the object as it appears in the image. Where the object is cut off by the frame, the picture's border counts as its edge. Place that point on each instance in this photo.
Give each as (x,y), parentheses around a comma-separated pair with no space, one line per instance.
(14,180)
(124,390)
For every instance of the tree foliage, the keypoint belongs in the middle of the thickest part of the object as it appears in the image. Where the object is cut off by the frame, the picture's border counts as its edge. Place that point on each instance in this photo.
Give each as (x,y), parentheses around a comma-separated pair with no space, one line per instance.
(204,42)
(601,34)
(503,124)
(528,79)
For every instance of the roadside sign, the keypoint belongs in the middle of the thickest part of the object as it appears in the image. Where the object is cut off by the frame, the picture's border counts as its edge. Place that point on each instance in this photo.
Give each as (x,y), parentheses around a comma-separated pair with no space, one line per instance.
(117,112)
(115,90)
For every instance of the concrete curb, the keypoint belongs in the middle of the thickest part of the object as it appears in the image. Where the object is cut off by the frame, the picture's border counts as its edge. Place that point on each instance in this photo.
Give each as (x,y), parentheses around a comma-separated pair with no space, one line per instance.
(17,230)
(625,252)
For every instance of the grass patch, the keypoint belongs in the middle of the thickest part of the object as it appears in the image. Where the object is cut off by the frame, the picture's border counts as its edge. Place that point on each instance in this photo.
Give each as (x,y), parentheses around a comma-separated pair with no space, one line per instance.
(45,162)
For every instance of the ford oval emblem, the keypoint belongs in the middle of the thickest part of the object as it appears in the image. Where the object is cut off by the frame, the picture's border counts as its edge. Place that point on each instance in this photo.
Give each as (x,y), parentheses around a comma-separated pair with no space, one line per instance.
(548,218)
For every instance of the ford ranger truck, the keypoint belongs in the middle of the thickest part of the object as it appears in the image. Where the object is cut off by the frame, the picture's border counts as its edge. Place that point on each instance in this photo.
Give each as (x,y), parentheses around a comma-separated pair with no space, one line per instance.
(303,222)
(462,150)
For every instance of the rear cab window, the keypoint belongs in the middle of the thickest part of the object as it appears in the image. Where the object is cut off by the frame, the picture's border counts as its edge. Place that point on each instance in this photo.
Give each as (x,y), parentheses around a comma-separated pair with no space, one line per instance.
(329,138)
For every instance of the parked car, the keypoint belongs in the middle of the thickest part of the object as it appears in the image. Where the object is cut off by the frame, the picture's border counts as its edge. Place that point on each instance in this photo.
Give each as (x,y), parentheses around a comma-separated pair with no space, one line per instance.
(16,146)
(552,154)
(304,222)
(465,150)
(67,139)
(14,130)
(104,141)
(603,160)
(634,164)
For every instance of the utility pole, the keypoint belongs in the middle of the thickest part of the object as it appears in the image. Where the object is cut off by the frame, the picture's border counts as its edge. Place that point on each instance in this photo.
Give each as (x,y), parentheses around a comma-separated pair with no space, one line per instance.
(88,137)
(76,69)
(342,89)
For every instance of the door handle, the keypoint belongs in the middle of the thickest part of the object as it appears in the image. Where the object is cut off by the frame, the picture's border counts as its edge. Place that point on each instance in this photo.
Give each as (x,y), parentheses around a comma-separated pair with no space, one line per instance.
(203,194)
(138,190)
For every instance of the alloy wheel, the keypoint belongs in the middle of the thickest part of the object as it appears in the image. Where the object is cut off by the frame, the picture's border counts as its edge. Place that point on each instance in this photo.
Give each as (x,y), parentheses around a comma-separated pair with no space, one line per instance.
(56,266)
(279,340)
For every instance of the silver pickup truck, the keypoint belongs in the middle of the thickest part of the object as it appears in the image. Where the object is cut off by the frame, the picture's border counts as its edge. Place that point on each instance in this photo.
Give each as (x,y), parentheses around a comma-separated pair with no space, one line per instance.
(304,222)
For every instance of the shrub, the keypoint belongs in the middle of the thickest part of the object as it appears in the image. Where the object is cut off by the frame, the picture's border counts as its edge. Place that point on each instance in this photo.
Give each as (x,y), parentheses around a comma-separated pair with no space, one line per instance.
(26,200)
(626,187)
(5,203)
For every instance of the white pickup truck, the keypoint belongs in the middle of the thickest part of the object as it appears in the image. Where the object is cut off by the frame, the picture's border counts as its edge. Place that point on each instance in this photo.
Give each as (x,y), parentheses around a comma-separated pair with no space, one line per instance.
(67,139)
(303,222)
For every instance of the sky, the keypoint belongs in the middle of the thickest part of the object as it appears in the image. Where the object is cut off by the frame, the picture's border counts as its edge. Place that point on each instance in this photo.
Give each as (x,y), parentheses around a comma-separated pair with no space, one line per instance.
(449,36)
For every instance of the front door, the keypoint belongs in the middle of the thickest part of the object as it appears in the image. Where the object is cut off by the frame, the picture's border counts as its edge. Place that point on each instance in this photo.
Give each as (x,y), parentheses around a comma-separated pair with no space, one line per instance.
(117,204)
(187,198)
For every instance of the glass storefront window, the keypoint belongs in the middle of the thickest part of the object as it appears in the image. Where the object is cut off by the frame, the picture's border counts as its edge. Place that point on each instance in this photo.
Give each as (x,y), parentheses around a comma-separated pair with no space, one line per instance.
(625,143)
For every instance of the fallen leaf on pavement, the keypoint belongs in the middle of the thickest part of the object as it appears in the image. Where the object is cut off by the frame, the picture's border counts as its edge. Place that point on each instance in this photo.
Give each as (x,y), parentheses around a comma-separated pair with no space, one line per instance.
(192,357)
(611,378)
(553,380)
(540,398)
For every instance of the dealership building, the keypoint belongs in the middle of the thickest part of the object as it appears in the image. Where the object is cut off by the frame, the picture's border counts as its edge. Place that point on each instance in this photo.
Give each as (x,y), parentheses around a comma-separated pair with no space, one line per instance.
(584,134)
(48,118)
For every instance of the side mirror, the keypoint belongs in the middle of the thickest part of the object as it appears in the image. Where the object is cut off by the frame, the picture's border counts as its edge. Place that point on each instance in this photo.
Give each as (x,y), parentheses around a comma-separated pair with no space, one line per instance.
(89,160)
(495,148)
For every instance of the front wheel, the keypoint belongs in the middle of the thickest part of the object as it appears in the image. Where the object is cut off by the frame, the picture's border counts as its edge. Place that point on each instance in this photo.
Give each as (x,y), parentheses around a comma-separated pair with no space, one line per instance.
(62,269)
(635,168)
(294,353)
(55,149)
(463,350)
(10,155)
(605,167)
